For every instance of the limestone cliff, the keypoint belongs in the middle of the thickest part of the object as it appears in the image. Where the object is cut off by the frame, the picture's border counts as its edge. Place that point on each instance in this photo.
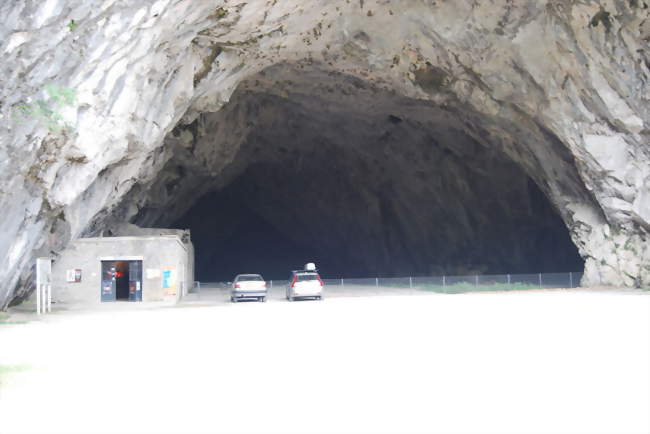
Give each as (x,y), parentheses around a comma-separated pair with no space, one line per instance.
(101,101)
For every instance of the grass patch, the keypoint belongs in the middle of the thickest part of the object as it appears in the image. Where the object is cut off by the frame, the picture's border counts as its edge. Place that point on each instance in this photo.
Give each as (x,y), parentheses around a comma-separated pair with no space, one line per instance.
(5,319)
(460,288)
(7,370)
(13,369)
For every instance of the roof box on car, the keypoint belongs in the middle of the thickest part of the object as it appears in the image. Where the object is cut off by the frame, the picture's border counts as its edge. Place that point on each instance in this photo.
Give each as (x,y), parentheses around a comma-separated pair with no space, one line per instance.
(310,266)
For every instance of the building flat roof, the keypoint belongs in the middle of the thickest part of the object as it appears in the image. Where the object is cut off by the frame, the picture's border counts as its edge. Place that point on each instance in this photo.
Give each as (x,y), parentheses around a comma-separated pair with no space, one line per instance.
(129,238)
(176,238)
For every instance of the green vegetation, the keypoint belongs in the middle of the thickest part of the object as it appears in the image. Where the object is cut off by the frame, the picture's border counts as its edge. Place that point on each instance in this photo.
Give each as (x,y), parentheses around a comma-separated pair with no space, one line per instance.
(47,111)
(5,319)
(72,25)
(219,14)
(6,370)
(12,369)
(460,288)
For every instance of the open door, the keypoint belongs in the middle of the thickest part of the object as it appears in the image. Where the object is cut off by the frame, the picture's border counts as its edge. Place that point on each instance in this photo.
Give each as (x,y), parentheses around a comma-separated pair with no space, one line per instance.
(135,280)
(109,287)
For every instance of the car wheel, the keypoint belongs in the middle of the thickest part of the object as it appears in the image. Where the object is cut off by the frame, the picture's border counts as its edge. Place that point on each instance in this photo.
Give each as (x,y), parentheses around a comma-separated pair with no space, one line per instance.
(263,299)
(233,299)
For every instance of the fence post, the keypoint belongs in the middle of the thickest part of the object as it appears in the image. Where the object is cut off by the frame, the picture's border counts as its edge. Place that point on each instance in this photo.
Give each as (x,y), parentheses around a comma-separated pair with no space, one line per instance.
(570,280)
(444,283)
(540,280)
(49,297)
(476,280)
(410,282)
(508,279)
(377,282)
(271,282)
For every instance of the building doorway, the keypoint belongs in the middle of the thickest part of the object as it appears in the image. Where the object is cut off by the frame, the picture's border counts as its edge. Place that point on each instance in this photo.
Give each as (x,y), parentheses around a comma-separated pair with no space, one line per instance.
(121,281)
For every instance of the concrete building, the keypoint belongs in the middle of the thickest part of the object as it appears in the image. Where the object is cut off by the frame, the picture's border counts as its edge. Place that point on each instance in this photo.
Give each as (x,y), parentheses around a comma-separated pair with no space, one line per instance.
(154,265)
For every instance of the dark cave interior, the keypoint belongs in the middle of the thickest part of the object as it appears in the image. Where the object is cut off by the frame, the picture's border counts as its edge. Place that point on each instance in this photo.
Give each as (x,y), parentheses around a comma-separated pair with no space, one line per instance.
(312,166)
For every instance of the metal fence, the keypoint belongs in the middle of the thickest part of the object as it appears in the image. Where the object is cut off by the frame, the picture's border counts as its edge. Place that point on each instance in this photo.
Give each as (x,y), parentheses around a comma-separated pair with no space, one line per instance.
(443,284)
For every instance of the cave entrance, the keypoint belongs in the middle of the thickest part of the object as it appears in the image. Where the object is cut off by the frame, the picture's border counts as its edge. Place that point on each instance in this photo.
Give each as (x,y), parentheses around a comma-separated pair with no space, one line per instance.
(259,223)
(359,180)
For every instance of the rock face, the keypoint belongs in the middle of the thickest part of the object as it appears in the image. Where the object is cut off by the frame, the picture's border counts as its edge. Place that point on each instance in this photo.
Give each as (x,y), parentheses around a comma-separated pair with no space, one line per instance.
(132,110)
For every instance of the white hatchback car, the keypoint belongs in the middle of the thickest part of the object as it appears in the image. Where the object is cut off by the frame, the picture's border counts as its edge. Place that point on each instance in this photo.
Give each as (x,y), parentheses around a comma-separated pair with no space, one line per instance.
(305,284)
(247,286)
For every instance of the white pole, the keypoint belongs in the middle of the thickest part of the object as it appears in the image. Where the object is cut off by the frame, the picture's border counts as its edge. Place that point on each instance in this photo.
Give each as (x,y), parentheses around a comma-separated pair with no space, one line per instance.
(476,279)
(410,282)
(38,297)
(443,281)
(49,298)
(540,280)
(508,279)
(571,280)
(377,282)
(43,298)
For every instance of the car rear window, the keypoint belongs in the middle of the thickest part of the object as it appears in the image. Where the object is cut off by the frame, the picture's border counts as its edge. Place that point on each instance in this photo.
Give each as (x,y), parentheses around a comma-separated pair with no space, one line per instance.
(250,277)
(305,277)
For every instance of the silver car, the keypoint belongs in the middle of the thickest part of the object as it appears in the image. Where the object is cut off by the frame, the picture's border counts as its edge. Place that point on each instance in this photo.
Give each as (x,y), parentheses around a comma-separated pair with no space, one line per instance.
(305,284)
(248,286)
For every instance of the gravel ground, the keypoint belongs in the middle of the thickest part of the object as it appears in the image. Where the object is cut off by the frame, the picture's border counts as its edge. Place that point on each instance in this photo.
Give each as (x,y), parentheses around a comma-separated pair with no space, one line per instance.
(565,361)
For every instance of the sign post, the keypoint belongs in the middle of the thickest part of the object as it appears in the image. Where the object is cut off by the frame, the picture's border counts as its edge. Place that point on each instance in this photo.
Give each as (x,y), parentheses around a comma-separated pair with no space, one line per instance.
(43,285)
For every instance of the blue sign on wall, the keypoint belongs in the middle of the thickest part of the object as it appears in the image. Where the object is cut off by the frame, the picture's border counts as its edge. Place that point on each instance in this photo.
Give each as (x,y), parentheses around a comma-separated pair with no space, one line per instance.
(167,279)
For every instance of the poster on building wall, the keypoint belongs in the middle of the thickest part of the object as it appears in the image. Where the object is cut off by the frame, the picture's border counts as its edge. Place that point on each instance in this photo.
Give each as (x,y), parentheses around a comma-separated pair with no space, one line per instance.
(169,282)
(73,275)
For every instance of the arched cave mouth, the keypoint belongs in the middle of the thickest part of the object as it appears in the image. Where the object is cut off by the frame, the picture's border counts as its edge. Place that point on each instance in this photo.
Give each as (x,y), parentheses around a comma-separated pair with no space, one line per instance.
(322,167)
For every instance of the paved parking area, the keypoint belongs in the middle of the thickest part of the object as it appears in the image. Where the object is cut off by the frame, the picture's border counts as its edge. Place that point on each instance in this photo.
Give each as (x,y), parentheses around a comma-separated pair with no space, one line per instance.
(529,362)
(221,294)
